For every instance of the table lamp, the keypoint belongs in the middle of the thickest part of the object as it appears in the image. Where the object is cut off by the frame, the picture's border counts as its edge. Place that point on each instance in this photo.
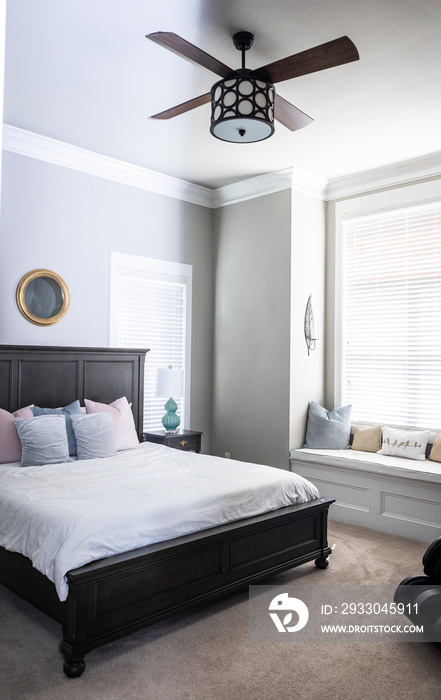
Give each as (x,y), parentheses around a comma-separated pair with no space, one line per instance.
(170,383)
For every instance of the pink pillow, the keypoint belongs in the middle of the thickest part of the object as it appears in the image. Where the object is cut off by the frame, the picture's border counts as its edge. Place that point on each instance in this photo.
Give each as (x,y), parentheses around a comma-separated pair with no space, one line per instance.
(123,421)
(10,445)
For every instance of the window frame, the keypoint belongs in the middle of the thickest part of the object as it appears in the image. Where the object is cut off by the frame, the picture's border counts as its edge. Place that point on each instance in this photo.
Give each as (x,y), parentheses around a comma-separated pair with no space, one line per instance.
(163,268)
(366,205)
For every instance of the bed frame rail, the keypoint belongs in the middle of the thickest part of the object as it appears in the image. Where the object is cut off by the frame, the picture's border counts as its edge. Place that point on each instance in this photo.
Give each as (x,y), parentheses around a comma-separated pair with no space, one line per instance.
(114,597)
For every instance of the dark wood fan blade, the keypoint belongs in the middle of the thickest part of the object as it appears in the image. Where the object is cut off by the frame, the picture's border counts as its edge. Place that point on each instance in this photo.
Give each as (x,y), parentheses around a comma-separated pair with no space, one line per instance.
(333,53)
(184,107)
(183,48)
(290,116)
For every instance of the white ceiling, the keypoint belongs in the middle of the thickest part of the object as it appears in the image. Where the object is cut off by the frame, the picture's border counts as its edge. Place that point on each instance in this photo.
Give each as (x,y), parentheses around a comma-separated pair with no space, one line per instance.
(82,71)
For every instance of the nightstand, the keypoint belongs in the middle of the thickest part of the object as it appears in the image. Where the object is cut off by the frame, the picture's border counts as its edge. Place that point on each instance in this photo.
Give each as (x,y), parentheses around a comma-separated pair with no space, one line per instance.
(187,440)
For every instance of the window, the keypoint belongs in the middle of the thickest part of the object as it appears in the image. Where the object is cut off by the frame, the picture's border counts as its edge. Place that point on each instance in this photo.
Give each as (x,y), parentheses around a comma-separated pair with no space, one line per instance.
(151,308)
(391,316)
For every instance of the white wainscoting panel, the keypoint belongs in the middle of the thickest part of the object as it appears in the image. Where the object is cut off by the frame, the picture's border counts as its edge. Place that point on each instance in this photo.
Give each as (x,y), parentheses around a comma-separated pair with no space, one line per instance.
(398,504)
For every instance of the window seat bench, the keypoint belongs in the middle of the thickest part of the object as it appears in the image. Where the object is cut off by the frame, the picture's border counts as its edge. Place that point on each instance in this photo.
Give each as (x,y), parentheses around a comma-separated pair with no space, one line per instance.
(391,494)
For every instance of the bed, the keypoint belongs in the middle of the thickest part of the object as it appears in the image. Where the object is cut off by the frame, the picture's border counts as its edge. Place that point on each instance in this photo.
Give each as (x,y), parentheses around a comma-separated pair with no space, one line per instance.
(115,595)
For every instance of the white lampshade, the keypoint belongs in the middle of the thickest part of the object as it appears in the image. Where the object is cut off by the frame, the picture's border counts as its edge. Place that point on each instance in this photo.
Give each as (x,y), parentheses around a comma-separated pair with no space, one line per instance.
(170,383)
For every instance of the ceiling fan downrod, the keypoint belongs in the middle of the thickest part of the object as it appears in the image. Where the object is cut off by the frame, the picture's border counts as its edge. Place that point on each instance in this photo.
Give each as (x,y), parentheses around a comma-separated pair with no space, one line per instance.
(243,41)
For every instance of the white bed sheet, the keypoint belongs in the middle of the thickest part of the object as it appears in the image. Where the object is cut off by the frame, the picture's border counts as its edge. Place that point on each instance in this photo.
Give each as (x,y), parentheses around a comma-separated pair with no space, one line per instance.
(63,516)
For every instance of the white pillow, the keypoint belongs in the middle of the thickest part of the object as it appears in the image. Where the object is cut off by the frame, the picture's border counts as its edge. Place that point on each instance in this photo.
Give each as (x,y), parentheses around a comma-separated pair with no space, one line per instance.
(94,435)
(410,444)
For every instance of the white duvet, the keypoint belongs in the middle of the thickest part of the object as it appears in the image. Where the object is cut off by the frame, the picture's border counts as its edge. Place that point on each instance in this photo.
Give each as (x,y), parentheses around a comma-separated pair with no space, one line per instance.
(63,516)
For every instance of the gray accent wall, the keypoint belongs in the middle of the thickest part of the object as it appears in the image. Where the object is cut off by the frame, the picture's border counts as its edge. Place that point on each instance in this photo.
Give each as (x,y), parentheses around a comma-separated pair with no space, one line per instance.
(252,330)
(269,257)
(69,222)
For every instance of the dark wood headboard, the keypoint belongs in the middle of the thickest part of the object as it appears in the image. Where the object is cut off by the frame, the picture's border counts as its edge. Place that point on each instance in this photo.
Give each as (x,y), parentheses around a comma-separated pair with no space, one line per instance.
(56,376)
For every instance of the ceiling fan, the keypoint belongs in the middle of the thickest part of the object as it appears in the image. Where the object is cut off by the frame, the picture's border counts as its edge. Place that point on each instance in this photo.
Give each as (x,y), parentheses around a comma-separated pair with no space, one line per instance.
(244,103)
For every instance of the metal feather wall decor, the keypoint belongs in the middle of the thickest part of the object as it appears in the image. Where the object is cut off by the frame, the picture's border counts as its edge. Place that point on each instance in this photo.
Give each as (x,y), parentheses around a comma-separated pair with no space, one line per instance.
(310,327)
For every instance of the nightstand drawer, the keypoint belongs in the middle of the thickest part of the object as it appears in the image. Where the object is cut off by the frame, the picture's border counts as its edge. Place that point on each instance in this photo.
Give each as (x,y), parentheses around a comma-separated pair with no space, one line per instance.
(186,440)
(192,442)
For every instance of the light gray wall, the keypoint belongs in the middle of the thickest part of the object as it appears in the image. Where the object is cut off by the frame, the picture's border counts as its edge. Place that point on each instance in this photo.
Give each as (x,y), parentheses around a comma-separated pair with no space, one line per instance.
(251,378)
(308,253)
(69,222)
(252,330)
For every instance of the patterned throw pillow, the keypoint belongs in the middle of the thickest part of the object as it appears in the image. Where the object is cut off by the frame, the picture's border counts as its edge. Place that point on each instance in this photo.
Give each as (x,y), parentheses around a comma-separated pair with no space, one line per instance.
(410,444)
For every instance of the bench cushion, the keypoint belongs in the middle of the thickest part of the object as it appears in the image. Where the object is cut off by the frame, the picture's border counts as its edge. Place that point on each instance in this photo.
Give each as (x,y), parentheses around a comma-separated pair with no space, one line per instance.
(369,461)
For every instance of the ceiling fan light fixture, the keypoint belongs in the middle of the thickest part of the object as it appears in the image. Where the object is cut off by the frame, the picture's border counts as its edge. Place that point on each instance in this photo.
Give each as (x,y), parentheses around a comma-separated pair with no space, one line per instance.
(243,102)
(242,109)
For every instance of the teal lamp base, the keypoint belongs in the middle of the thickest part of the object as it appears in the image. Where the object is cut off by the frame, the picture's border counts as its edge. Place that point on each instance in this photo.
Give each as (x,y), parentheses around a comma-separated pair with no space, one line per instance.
(170,420)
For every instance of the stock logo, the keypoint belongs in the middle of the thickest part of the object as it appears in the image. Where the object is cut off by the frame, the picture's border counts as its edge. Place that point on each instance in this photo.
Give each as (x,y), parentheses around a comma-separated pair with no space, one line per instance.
(284,604)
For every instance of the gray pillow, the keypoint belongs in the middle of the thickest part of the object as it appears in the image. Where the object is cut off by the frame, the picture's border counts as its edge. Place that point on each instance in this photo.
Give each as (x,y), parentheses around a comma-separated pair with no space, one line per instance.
(66,411)
(328,429)
(94,435)
(43,440)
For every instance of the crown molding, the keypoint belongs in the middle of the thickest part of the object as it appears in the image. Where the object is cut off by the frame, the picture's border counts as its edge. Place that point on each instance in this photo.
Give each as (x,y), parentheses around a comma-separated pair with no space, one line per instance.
(32,145)
(393,175)
(252,187)
(261,185)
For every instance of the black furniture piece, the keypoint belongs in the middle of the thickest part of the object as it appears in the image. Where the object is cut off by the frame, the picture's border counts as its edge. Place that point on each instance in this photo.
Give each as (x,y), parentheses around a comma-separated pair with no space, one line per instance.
(115,596)
(187,440)
(421,594)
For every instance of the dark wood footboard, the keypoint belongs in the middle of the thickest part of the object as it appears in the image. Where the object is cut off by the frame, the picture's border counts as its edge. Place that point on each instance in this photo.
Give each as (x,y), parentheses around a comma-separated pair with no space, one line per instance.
(113,597)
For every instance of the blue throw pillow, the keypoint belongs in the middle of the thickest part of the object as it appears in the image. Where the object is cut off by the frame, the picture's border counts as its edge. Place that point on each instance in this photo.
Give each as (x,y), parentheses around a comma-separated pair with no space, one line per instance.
(328,429)
(67,411)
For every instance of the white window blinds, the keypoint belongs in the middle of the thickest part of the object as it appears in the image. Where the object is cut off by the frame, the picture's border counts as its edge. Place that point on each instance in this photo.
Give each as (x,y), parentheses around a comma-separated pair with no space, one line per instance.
(150,309)
(391,344)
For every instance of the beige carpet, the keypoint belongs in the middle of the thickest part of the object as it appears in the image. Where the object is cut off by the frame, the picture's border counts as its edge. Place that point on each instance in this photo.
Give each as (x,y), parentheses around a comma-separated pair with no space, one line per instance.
(207,654)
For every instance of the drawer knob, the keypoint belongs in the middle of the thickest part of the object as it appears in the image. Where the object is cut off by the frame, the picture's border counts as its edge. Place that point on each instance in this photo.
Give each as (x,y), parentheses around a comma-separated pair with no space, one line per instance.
(183,443)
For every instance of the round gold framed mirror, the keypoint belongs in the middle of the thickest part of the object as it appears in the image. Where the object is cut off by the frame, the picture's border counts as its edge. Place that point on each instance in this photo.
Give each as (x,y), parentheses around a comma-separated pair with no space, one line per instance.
(42,297)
